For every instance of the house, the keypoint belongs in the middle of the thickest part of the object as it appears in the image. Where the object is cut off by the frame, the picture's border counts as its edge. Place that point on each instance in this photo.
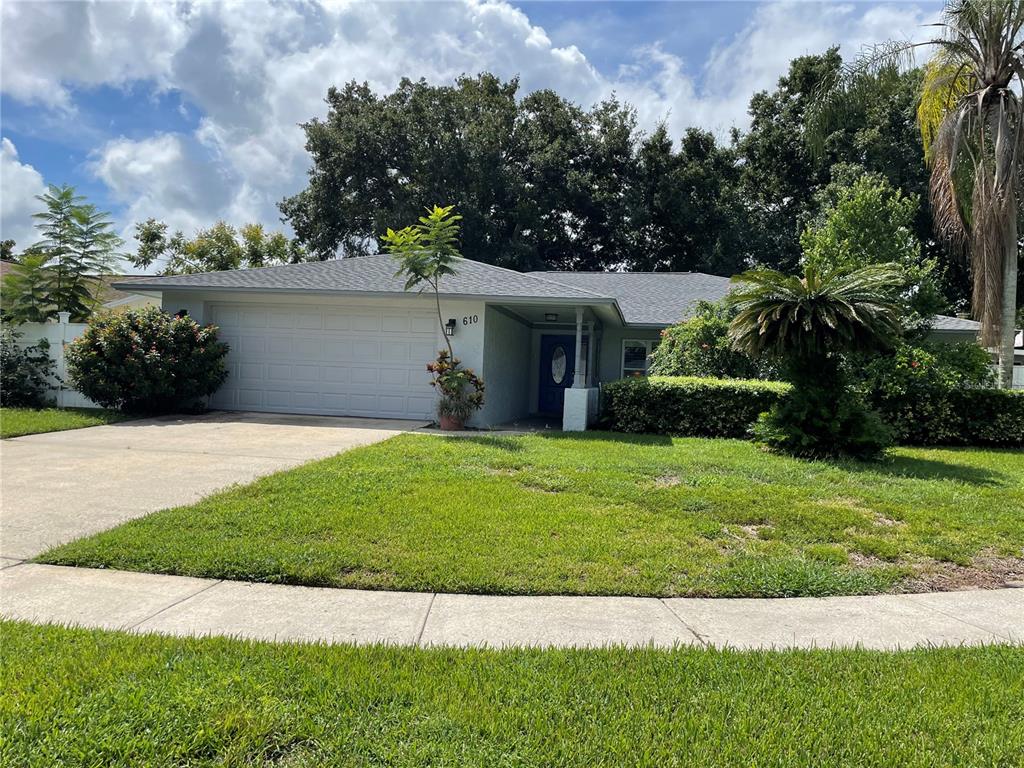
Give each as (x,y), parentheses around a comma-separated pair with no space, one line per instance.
(343,337)
(118,299)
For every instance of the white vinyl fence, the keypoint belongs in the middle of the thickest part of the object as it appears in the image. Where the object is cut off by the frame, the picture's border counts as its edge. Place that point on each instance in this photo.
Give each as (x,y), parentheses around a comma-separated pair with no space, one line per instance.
(58,333)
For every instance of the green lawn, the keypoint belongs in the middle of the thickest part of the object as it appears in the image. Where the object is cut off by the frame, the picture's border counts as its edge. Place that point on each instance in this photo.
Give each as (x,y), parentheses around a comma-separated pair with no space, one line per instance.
(94,698)
(15,422)
(594,514)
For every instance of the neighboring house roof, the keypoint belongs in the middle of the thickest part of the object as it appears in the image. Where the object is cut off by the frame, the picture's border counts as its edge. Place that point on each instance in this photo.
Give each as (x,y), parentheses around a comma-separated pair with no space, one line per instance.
(6,266)
(947,323)
(649,298)
(107,293)
(371,274)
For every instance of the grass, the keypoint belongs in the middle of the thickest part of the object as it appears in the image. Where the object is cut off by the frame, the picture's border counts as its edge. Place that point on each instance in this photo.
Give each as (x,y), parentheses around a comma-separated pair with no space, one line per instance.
(15,422)
(591,514)
(91,698)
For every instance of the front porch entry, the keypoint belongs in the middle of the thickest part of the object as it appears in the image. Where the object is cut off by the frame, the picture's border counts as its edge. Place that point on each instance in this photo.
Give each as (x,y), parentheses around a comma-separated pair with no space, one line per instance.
(557,370)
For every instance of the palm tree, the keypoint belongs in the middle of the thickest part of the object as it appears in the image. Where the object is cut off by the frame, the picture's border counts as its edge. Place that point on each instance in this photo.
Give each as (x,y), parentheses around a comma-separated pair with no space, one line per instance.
(808,323)
(971,123)
(815,316)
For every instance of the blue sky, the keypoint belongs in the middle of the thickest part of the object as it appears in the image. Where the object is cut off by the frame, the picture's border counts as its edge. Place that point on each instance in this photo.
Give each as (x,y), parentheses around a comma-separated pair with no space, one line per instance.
(189,113)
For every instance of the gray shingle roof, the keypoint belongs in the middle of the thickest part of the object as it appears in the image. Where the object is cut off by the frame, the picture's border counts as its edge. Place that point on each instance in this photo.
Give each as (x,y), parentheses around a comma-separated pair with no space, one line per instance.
(946,323)
(370,274)
(649,298)
(644,298)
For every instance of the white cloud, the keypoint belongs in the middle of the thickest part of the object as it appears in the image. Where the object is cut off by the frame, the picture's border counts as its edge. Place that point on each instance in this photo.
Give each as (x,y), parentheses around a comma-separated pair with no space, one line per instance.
(256,70)
(167,176)
(20,183)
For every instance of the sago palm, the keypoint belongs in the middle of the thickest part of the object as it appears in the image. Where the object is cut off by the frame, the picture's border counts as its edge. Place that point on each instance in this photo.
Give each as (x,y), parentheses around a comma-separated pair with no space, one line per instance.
(813,316)
(970,119)
(807,323)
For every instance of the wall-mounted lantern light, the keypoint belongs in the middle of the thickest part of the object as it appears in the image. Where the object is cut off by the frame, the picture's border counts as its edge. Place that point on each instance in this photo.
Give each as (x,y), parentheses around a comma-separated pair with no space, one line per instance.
(551,317)
(449,327)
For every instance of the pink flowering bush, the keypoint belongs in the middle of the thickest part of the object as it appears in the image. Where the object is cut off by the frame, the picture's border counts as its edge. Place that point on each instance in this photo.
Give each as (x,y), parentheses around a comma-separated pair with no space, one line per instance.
(147,361)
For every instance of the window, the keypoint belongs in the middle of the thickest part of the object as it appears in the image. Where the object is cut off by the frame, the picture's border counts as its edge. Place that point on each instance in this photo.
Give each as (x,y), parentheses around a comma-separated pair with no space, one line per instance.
(636,356)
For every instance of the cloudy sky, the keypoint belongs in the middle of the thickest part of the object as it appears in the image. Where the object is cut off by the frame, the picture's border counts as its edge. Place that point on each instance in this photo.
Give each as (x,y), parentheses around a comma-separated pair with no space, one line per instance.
(189,113)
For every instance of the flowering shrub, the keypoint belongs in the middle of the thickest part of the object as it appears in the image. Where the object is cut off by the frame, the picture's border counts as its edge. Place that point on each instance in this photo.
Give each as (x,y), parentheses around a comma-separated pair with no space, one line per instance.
(461,390)
(25,371)
(700,346)
(147,361)
(915,389)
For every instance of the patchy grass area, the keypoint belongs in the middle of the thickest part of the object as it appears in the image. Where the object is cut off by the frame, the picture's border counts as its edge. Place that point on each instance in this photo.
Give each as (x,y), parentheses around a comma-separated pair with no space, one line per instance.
(15,422)
(595,514)
(89,698)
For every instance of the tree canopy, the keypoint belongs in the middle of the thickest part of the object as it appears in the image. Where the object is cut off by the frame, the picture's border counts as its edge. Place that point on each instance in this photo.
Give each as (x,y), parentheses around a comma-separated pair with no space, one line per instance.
(213,249)
(543,183)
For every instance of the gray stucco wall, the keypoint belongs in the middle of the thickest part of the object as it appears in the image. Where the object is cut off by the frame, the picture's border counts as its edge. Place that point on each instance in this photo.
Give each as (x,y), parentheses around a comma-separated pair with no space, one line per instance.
(610,349)
(506,369)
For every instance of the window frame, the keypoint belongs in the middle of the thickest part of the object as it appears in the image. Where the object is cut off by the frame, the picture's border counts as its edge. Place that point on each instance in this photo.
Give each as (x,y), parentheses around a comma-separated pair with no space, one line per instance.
(648,345)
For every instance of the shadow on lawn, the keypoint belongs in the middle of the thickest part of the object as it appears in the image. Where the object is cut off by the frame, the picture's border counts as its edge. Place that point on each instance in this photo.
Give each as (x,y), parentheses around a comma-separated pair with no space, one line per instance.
(926,469)
(609,437)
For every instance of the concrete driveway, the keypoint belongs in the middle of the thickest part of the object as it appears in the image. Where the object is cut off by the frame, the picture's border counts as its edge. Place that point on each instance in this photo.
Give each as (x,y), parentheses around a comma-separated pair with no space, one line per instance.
(61,486)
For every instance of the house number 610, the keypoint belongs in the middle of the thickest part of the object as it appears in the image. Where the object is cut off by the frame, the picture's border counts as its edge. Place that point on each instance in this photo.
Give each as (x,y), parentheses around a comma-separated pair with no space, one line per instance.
(470,319)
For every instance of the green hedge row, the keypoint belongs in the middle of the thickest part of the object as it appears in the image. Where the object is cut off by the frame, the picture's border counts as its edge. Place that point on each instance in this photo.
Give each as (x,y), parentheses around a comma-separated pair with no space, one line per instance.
(694,407)
(993,417)
(688,406)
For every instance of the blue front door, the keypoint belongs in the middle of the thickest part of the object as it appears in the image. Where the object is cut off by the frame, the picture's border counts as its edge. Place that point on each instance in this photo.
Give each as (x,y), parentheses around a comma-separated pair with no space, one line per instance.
(557,369)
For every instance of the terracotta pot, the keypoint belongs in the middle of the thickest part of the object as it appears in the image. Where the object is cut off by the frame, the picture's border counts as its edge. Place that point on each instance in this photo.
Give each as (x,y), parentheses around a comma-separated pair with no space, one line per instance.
(450,424)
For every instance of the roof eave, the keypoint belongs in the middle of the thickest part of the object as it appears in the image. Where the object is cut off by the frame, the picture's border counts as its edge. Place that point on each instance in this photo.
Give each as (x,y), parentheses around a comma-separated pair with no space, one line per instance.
(137,287)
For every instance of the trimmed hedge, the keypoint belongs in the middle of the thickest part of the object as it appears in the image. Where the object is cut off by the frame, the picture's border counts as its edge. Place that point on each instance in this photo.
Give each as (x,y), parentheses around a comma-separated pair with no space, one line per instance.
(983,417)
(693,407)
(686,406)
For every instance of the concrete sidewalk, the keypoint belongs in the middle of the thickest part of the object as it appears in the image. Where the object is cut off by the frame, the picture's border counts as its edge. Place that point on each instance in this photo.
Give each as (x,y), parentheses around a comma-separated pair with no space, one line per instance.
(176,605)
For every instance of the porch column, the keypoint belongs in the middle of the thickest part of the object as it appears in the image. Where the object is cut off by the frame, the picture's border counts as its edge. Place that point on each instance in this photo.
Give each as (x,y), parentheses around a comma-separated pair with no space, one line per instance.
(590,354)
(578,381)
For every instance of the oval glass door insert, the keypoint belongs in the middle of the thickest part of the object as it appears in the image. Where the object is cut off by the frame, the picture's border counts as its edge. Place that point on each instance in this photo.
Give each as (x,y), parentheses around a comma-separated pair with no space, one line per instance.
(558,365)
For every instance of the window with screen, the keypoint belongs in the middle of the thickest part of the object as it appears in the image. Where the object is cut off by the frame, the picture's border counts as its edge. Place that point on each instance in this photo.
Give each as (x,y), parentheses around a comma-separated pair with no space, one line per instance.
(636,356)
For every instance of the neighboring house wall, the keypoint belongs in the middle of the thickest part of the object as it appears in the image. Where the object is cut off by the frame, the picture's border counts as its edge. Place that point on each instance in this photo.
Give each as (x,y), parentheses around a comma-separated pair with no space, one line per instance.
(58,335)
(507,368)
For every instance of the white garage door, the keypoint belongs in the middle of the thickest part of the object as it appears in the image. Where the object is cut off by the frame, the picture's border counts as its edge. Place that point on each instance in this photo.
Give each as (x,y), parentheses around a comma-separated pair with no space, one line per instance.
(346,361)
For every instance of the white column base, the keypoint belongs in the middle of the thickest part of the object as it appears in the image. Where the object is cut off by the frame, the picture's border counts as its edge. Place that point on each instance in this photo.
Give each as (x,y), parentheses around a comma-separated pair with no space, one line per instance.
(580,408)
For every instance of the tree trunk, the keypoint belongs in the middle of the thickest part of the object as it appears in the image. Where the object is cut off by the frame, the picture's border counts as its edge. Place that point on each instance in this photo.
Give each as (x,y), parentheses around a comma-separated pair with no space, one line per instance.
(1008,306)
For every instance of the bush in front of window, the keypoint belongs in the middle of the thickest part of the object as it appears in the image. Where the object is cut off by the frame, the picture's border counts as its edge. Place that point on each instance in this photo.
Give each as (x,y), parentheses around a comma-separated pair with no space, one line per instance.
(688,406)
(147,361)
(700,346)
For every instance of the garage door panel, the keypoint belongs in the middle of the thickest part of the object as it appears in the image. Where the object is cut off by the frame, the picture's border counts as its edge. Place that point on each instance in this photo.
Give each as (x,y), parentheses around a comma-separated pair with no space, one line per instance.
(250,345)
(423,323)
(394,352)
(281,319)
(253,318)
(334,374)
(337,350)
(309,321)
(327,359)
(334,321)
(366,321)
(359,375)
(249,398)
(366,351)
(250,372)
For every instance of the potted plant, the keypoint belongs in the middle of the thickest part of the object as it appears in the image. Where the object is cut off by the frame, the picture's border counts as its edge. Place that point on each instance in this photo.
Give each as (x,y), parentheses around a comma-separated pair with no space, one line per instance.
(460,391)
(426,252)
